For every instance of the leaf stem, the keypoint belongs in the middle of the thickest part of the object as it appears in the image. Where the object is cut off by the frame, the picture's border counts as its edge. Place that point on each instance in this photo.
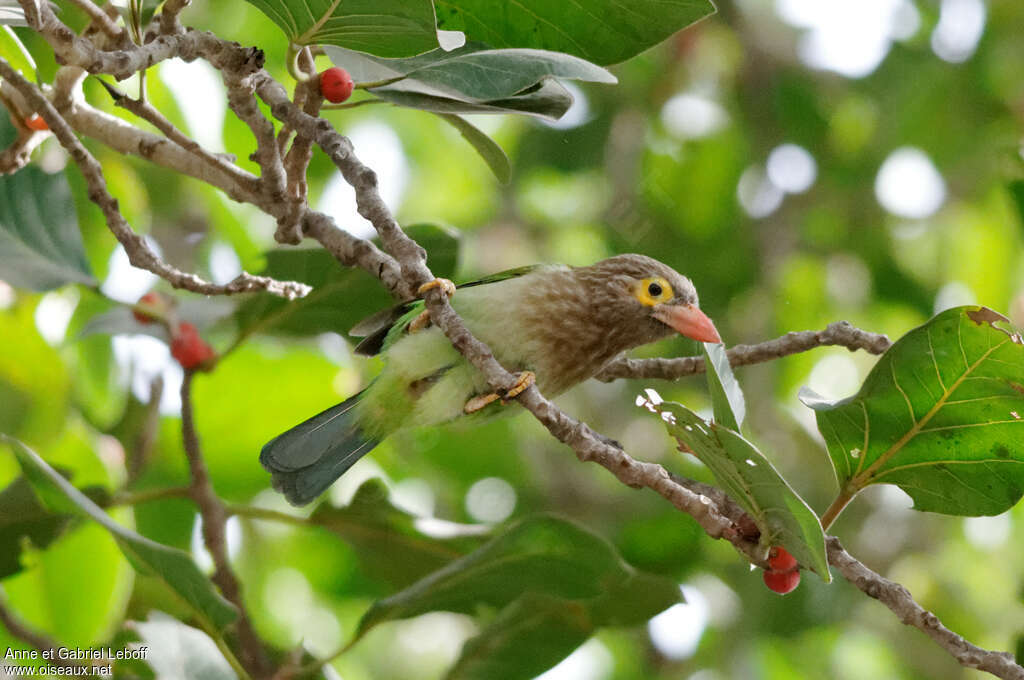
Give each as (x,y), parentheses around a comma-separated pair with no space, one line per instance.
(351,105)
(841,501)
(147,495)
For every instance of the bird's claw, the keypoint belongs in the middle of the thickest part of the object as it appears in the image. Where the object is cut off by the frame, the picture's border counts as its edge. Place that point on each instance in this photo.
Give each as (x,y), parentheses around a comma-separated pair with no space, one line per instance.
(480,401)
(444,284)
(523,381)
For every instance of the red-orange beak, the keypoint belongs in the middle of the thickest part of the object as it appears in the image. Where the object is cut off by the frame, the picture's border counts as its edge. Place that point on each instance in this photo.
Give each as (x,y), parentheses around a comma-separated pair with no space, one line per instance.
(688,320)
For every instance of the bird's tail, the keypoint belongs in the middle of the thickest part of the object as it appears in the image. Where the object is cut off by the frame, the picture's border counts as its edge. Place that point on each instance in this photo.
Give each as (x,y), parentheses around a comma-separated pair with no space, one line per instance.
(306,459)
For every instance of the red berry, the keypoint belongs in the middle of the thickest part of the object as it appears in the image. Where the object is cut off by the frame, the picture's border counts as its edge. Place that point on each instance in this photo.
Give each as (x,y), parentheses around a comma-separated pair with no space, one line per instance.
(36,122)
(779,559)
(190,349)
(151,307)
(336,85)
(782,582)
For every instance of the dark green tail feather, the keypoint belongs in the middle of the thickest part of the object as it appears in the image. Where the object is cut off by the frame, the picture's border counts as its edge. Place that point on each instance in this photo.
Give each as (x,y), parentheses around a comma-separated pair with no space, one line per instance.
(308,458)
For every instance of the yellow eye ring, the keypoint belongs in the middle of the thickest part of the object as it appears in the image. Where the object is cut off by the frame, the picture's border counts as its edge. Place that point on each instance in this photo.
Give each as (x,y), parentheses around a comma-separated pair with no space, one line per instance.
(653,291)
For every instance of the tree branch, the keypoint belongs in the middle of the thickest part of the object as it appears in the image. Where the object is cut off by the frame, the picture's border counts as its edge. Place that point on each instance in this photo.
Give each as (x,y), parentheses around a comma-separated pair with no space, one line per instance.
(139,252)
(214,520)
(901,602)
(840,333)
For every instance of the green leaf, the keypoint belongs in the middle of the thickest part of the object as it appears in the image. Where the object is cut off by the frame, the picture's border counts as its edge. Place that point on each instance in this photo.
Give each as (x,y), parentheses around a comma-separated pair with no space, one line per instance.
(388,541)
(726,395)
(753,482)
(601,31)
(341,297)
(40,243)
(488,149)
(23,516)
(1016,189)
(542,554)
(941,415)
(174,650)
(550,628)
(174,567)
(472,75)
(548,99)
(15,52)
(389,28)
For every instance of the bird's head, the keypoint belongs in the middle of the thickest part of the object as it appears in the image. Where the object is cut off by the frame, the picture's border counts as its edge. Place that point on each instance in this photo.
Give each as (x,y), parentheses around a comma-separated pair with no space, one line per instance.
(648,297)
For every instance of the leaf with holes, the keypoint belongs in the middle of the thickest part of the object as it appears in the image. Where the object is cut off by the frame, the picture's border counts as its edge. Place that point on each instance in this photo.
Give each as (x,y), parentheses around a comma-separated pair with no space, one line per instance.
(752,481)
(389,28)
(941,415)
(40,243)
(601,31)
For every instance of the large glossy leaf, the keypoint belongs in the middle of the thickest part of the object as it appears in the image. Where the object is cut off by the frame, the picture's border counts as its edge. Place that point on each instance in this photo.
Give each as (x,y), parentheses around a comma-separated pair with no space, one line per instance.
(601,31)
(471,76)
(389,28)
(174,650)
(727,401)
(341,297)
(752,481)
(941,415)
(173,567)
(40,244)
(541,554)
(390,543)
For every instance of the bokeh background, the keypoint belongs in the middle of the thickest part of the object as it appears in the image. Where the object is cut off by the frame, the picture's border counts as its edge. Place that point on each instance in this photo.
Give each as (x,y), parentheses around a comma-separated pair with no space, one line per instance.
(804,161)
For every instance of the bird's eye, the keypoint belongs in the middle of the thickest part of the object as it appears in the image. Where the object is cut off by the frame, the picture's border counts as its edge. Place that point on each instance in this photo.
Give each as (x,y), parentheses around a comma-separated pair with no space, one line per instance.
(652,291)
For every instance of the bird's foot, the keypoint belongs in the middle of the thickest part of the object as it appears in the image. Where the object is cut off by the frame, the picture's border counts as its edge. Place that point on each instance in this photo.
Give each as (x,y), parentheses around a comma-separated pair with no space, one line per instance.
(479,401)
(523,381)
(444,284)
(423,320)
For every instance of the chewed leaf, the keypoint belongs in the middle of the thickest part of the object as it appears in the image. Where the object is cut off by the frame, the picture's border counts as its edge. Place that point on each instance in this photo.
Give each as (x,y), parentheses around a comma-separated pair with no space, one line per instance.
(941,415)
(752,481)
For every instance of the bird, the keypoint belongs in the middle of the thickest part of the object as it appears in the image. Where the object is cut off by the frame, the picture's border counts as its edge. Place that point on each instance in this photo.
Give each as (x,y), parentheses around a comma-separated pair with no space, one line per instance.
(555,325)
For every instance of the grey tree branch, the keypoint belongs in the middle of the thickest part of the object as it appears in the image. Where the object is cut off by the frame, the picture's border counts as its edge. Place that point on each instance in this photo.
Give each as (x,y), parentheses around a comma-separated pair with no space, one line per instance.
(214,518)
(139,252)
(901,602)
(840,333)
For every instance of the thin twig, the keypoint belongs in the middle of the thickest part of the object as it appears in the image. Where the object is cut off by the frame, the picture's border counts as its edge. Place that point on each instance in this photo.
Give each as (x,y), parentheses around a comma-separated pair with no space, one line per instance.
(99,18)
(139,252)
(214,521)
(840,333)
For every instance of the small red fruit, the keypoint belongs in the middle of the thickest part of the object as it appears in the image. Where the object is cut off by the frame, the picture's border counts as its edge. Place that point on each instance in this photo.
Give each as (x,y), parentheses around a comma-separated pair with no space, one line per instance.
(336,84)
(190,349)
(36,122)
(779,559)
(150,308)
(782,582)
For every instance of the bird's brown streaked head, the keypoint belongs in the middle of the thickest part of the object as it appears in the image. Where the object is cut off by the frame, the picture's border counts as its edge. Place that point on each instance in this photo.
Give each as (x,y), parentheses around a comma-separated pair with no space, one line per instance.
(653,299)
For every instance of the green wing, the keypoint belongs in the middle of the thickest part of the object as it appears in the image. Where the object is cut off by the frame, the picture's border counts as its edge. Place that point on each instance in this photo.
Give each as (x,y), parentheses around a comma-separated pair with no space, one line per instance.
(381,329)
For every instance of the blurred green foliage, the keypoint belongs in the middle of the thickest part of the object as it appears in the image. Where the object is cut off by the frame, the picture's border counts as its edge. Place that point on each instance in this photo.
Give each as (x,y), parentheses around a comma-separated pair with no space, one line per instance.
(629,176)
